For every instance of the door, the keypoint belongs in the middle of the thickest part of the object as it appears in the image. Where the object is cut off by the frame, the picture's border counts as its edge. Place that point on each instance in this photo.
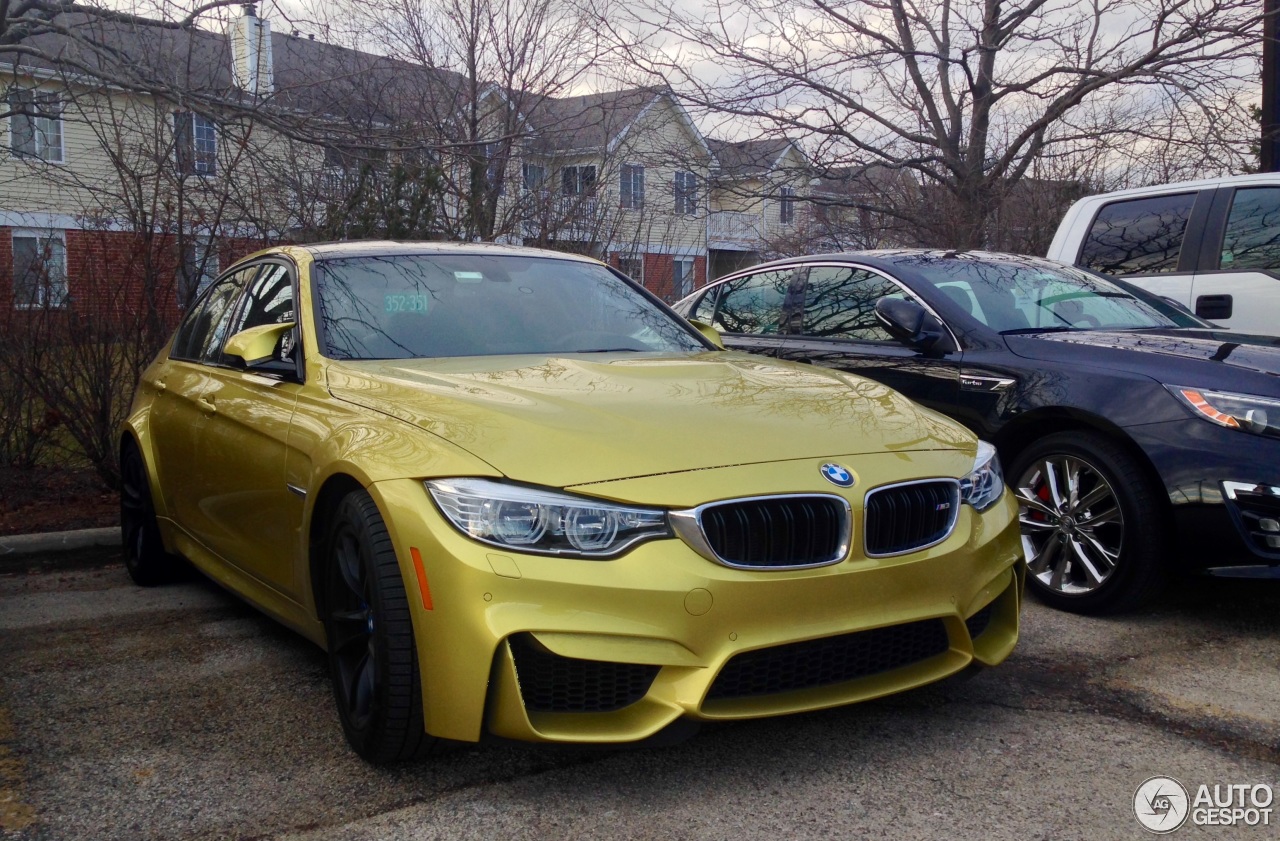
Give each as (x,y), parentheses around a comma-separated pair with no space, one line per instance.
(247,513)
(839,330)
(1239,286)
(177,414)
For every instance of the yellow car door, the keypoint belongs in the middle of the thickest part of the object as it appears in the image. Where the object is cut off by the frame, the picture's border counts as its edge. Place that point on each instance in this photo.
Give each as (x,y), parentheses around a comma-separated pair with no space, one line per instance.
(247,514)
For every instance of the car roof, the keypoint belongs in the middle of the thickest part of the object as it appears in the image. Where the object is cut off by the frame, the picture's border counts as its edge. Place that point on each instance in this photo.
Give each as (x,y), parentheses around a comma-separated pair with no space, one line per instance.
(382,248)
(900,258)
(1260,178)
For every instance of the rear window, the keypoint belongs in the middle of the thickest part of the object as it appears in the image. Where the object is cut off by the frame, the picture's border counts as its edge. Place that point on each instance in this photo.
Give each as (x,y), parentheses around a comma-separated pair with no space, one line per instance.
(1138,236)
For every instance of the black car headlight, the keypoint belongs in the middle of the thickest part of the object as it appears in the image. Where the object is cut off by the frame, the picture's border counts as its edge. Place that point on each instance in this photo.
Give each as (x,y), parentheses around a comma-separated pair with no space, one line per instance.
(985,483)
(544,521)
(1259,415)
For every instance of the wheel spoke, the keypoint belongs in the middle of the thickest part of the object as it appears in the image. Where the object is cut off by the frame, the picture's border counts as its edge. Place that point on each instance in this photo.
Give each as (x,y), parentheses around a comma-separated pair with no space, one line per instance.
(360,688)
(1072,468)
(1051,481)
(350,566)
(1082,556)
(1036,525)
(1060,570)
(1108,556)
(348,627)
(1099,492)
(1040,563)
(1028,498)
(1110,515)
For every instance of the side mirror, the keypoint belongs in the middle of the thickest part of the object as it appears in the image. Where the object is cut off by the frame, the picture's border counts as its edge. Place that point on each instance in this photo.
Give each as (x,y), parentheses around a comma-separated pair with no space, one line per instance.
(908,322)
(257,344)
(708,332)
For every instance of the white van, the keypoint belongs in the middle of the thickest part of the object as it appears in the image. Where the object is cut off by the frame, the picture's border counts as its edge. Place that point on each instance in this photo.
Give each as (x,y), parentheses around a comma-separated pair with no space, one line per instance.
(1213,245)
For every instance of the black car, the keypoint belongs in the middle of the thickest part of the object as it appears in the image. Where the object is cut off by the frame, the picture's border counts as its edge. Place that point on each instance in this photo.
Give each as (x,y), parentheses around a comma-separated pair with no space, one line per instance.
(1136,436)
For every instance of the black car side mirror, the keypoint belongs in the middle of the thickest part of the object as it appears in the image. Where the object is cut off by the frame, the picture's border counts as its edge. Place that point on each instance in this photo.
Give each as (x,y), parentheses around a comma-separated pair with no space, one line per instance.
(908,322)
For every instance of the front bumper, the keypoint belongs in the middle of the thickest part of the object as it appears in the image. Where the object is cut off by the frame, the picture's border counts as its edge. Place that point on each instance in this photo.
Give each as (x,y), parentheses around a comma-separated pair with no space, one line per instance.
(560,650)
(1222,485)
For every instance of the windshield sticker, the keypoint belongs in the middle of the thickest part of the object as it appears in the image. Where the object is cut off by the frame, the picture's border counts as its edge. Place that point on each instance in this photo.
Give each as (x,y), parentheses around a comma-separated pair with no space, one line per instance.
(468,277)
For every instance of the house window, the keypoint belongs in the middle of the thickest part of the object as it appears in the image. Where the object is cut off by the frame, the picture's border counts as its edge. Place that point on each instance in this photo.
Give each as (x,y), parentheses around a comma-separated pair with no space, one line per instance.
(195,144)
(534,176)
(578,180)
(686,192)
(632,267)
(199,269)
(39,269)
(35,128)
(787,206)
(631,186)
(682,277)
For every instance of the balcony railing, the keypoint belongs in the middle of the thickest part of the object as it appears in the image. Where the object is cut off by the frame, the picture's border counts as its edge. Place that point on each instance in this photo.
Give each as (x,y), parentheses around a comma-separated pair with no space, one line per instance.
(735,231)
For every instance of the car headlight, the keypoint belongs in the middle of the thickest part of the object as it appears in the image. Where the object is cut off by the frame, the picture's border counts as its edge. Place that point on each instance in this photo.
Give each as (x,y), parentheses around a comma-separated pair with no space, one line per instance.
(1260,415)
(545,522)
(984,485)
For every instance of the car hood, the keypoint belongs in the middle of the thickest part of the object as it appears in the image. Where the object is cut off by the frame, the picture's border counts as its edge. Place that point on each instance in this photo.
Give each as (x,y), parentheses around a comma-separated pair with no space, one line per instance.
(567,420)
(1164,349)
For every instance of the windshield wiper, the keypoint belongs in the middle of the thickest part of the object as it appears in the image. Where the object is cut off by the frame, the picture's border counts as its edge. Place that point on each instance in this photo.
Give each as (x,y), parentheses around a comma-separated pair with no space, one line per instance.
(605,350)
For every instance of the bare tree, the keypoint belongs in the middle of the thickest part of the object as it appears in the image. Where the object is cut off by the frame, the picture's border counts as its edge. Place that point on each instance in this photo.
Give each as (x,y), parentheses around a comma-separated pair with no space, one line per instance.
(966,95)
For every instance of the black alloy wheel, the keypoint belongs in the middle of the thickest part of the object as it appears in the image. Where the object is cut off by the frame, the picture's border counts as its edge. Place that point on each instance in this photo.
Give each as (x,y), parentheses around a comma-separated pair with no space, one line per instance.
(1092,524)
(144,556)
(373,661)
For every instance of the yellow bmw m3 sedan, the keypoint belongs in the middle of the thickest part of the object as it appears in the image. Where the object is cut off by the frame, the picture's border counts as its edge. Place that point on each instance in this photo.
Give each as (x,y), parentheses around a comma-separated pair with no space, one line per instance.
(510,492)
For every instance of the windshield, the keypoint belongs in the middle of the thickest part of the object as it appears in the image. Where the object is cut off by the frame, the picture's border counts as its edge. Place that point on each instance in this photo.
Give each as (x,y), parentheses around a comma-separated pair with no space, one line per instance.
(401,307)
(1012,297)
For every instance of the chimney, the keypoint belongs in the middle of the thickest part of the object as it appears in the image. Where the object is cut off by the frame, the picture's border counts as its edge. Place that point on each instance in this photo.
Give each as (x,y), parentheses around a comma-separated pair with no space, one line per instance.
(251,53)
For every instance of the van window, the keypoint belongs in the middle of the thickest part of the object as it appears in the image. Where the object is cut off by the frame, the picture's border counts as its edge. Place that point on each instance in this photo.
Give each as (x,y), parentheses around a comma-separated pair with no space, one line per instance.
(1138,236)
(1252,238)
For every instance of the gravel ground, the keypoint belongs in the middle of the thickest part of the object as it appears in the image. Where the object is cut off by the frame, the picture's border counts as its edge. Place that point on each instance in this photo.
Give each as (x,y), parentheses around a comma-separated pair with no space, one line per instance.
(179,713)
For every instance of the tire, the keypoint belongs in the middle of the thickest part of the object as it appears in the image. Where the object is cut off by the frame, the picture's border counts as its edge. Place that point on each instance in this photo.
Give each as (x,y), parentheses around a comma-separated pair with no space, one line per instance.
(373,660)
(1101,549)
(145,559)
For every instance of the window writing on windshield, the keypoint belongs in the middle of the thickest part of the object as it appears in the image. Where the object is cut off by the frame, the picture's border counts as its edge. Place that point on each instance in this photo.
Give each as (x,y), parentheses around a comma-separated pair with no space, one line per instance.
(1018,296)
(401,307)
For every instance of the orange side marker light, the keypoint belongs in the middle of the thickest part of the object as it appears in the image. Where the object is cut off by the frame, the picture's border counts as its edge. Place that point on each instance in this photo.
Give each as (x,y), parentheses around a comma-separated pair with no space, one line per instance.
(422,578)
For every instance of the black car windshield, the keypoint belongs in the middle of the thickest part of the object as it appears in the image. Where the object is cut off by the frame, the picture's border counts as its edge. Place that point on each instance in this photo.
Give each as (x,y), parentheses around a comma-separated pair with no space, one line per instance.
(408,306)
(1011,297)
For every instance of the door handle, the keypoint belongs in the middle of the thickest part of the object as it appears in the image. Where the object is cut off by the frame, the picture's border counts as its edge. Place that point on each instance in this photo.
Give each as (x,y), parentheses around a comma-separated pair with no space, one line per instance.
(207,406)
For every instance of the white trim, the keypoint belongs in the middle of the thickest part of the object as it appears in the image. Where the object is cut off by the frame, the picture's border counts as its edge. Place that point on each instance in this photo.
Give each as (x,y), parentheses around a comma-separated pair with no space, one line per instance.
(40,221)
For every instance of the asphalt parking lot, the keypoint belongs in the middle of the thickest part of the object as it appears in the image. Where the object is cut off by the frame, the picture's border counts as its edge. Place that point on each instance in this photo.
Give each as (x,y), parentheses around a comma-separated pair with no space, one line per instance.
(179,713)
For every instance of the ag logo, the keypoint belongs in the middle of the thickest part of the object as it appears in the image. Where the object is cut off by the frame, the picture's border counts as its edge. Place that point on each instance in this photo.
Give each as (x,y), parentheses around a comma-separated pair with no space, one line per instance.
(1161,805)
(837,475)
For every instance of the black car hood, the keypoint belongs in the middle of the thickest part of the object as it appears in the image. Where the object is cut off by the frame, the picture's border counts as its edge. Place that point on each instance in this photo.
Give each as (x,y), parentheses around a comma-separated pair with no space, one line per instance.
(1159,348)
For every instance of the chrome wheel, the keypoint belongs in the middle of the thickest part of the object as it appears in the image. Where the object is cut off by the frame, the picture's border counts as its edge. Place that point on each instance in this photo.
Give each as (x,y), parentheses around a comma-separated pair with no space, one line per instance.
(1072,524)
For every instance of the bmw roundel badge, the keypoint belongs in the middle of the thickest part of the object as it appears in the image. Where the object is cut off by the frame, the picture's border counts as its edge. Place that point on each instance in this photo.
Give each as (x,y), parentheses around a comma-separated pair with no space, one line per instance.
(837,475)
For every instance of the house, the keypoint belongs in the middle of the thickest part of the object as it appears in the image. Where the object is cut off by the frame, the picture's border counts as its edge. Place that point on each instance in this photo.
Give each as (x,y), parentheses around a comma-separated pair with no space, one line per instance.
(758,194)
(144,157)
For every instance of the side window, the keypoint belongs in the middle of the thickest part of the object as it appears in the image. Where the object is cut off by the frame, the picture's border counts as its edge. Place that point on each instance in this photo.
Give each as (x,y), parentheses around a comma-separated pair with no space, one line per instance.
(763,304)
(269,300)
(705,311)
(1252,238)
(1138,236)
(204,327)
(841,304)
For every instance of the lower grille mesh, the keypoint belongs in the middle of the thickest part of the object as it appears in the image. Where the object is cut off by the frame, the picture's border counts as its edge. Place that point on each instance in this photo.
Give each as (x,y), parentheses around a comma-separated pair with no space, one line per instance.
(978,622)
(823,662)
(554,684)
